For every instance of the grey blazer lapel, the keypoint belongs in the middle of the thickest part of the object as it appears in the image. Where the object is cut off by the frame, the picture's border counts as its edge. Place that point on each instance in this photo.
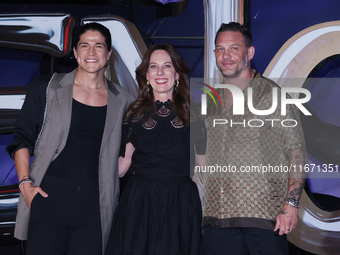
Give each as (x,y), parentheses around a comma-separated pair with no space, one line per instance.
(113,105)
(65,96)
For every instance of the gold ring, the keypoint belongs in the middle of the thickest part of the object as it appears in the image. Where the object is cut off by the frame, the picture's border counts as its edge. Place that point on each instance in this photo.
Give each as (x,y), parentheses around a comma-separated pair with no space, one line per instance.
(288,229)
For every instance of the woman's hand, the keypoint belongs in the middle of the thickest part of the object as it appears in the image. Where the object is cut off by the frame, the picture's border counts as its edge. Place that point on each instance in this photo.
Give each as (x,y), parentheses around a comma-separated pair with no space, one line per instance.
(29,192)
(125,163)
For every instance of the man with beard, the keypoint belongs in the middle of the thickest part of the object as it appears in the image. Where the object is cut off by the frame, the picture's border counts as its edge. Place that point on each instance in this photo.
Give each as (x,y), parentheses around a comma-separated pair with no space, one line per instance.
(250,211)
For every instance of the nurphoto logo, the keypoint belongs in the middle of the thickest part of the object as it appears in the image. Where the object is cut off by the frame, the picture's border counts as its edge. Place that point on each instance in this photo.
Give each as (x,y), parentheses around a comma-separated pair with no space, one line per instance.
(238,99)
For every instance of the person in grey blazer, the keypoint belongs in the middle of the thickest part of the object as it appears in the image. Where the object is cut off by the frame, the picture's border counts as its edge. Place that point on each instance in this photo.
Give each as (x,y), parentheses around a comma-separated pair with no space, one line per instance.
(71,125)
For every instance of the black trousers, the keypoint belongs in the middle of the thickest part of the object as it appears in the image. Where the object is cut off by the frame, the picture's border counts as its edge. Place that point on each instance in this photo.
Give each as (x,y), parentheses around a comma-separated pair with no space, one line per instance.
(67,221)
(243,241)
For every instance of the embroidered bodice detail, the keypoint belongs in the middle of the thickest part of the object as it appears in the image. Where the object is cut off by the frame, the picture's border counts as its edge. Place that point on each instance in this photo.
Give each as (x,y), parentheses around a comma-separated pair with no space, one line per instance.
(177,123)
(136,119)
(161,141)
(149,124)
(162,113)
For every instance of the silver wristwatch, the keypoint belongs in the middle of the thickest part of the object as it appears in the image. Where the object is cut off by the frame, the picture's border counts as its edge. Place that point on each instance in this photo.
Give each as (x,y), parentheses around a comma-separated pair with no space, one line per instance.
(293,201)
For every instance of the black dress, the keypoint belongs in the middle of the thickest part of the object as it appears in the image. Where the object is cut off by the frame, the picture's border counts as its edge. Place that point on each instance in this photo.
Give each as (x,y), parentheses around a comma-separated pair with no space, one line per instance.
(159,211)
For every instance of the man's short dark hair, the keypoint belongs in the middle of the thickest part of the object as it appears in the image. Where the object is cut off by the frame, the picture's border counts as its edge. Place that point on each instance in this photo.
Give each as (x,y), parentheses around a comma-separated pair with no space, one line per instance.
(236,27)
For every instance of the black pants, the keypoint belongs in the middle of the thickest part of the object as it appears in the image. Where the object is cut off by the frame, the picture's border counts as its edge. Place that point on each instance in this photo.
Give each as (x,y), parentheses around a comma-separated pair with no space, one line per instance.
(243,241)
(67,221)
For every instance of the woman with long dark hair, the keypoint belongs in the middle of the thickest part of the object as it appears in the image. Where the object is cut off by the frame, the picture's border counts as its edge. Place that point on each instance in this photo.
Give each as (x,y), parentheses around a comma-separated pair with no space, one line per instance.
(159,210)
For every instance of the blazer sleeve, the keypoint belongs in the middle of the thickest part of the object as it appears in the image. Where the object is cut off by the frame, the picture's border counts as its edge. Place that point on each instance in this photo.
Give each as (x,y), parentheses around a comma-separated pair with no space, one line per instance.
(31,117)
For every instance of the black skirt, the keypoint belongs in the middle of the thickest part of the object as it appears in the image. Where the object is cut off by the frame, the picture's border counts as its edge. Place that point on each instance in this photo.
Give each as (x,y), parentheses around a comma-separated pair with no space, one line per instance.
(157,215)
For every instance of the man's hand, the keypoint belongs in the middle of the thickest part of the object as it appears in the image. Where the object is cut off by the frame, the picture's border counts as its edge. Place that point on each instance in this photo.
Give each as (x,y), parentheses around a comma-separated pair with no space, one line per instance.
(29,192)
(286,219)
